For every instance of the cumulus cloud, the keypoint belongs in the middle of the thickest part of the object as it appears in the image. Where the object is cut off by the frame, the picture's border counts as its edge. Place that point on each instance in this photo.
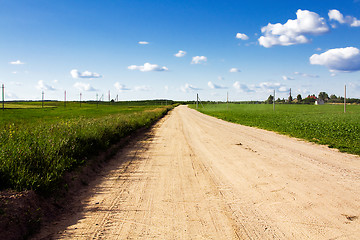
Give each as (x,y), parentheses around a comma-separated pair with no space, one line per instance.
(270,86)
(215,86)
(143,43)
(86,87)
(338,59)
(142,88)
(199,60)
(43,86)
(240,87)
(180,54)
(287,78)
(234,70)
(261,87)
(306,75)
(336,15)
(293,31)
(18,62)
(148,67)
(242,36)
(188,87)
(76,74)
(120,87)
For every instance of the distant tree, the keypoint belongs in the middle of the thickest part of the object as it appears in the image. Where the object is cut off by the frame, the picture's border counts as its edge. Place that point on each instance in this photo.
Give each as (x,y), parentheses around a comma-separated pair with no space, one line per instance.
(333,97)
(270,99)
(323,96)
(290,99)
(299,98)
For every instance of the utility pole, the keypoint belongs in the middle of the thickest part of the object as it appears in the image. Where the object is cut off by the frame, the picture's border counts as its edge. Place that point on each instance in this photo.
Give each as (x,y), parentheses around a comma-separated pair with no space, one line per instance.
(274,101)
(197,100)
(3,97)
(109,97)
(80,99)
(345,100)
(97,101)
(42,99)
(65,98)
(227,100)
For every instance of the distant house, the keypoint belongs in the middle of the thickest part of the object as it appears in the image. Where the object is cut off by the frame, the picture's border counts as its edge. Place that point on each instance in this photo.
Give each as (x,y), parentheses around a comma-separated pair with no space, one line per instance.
(319,102)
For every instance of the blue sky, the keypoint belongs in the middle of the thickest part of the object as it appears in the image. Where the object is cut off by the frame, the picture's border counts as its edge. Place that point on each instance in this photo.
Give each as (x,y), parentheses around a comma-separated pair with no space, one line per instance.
(129,48)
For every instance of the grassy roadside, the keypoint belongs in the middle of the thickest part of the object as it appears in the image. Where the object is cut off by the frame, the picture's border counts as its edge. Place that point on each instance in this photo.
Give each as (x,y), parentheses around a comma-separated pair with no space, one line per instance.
(37,146)
(326,124)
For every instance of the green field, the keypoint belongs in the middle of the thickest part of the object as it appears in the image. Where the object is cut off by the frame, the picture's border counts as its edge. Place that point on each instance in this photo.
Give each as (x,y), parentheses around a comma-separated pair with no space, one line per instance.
(38,145)
(325,124)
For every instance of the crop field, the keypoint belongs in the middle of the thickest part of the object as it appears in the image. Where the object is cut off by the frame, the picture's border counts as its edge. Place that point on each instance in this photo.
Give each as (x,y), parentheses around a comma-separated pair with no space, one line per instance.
(325,124)
(38,145)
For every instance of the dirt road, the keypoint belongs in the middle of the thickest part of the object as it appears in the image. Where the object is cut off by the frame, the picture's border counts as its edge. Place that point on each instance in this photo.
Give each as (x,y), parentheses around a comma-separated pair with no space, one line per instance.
(197,177)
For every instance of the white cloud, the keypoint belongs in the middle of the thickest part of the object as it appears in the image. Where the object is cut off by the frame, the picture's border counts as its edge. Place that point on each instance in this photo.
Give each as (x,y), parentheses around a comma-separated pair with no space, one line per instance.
(234,70)
(318,49)
(120,87)
(148,67)
(240,87)
(143,43)
(180,54)
(220,78)
(336,15)
(84,87)
(338,59)
(14,72)
(188,87)
(76,74)
(286,78)
(269,86)
(242,36)
(18,62)
(215,86)
(43,86)
(293,31)
(142,88)
(282,89)
(306,75)
(199,60)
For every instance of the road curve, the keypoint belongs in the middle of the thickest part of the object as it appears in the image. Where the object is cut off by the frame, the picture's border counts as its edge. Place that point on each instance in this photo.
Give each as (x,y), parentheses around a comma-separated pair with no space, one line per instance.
(198,177)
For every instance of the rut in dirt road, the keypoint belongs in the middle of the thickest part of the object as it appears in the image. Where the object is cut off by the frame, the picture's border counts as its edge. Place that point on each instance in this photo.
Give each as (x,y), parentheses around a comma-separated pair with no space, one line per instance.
(197,177)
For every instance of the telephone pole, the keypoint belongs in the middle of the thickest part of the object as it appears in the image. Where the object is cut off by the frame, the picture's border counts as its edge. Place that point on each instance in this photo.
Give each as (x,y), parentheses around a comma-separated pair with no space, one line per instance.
(3,97)
(345,99)
(197,100)
(227,100)
(274,101)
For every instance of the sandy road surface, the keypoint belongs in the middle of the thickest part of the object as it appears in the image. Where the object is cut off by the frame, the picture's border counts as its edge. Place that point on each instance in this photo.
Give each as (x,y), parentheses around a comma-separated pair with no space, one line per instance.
(197,177)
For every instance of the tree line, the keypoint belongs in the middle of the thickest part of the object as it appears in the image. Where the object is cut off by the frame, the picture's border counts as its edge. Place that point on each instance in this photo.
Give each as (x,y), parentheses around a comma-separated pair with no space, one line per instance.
(311,99)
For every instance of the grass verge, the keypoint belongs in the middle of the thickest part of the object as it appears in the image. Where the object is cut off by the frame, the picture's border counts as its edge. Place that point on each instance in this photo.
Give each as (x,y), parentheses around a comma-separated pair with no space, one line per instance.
(325,124)
(35,152)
